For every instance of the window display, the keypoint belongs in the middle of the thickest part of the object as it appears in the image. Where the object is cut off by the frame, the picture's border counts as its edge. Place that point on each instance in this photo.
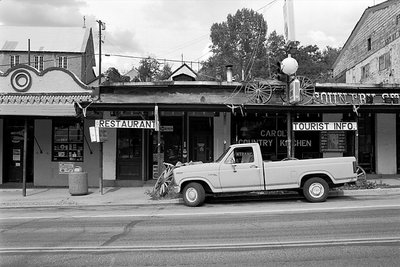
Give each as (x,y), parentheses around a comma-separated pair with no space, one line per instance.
(67,141)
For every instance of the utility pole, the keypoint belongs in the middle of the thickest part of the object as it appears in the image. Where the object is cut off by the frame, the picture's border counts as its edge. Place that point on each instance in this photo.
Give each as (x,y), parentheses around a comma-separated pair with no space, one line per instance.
(102,26)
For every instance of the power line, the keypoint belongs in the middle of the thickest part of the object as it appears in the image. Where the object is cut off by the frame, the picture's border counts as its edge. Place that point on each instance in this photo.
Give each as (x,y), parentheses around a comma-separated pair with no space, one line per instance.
(158,59)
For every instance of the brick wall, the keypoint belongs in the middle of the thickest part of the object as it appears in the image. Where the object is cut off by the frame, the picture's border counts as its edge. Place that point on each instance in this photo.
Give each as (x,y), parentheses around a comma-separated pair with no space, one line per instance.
(75,61)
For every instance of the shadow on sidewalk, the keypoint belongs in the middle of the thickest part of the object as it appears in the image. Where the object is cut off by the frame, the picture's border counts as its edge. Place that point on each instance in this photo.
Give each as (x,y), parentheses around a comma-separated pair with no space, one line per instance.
(110,190)
(39,191)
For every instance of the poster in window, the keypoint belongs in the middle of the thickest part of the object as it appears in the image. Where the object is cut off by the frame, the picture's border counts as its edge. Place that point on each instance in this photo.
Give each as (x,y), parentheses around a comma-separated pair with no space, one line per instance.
(333,141)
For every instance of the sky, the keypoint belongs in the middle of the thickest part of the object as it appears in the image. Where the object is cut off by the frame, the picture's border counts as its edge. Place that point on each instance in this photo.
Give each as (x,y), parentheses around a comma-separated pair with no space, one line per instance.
(172,30)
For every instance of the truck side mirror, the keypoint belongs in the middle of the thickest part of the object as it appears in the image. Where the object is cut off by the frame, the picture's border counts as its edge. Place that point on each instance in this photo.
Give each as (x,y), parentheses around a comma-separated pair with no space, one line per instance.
(230,161)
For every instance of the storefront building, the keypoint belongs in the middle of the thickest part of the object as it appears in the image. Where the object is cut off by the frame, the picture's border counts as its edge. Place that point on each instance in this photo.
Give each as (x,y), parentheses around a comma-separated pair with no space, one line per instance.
(40,135)
(199,120)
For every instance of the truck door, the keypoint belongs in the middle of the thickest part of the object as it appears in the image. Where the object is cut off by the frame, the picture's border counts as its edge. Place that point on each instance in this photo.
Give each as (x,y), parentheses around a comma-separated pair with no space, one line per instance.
(241,171)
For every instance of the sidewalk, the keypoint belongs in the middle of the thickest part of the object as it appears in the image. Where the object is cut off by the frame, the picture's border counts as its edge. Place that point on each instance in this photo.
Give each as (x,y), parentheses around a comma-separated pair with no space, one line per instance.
(56,197)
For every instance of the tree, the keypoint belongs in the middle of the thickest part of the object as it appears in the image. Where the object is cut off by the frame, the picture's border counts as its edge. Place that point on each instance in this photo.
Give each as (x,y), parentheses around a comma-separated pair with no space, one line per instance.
(148,69)
(113,75)
(239,41)
(276,51)
(164,73)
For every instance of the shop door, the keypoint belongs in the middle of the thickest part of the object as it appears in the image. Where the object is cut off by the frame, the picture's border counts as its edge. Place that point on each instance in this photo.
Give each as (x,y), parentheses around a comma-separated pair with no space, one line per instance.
(129,154)
(14,151)
(366,142)
(200,136)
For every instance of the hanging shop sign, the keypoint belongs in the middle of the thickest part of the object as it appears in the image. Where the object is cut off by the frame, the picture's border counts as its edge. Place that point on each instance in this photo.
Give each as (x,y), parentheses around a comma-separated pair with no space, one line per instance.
(355,98)
(324,126)
(98,134)
(131,124)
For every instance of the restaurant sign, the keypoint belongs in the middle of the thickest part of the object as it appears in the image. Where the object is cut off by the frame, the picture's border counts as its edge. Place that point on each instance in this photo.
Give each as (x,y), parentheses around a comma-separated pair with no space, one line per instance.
(324,126)
(132,124)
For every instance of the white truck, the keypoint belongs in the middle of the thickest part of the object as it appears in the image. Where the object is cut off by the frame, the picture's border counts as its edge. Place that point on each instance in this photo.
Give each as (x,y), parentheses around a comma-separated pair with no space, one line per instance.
(241,169)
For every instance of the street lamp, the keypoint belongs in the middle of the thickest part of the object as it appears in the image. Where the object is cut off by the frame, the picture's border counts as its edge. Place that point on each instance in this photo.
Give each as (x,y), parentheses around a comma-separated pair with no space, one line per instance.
(289,66)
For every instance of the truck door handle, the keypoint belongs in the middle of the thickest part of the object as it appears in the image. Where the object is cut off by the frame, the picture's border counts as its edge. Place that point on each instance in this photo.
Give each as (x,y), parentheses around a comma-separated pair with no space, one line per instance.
(234,167)
(253,166)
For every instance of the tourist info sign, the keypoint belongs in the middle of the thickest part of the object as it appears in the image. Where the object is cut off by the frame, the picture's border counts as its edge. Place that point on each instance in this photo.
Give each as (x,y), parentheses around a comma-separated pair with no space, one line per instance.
(324,126)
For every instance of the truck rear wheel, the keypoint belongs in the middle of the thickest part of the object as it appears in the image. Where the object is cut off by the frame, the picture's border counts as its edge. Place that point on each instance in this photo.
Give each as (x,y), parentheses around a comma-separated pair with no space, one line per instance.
(194,195)
(316,190)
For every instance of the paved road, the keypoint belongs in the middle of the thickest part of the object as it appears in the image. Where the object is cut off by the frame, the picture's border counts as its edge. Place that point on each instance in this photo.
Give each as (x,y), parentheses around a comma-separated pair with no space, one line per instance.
(343,231)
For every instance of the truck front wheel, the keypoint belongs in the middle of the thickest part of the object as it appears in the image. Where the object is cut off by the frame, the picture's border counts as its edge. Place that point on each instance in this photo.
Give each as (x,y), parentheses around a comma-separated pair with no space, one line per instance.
(193,195)
(316,190)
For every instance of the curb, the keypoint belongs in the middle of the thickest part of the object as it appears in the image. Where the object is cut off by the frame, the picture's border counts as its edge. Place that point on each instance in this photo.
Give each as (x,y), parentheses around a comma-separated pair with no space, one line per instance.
(176,201)
(366,192)
(77,205)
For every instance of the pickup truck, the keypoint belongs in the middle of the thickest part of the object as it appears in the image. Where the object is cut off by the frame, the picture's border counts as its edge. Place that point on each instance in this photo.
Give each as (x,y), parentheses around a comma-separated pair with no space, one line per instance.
(241,169)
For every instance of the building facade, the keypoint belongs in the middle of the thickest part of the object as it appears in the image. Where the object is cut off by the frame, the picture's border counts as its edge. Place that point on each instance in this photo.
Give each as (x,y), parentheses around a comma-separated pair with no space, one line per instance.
(199,120)
(46,47)
(371,55)
(40,135)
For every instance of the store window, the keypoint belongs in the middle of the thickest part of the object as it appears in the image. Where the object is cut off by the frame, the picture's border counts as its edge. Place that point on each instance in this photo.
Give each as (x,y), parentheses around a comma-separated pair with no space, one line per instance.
(67,141)
(270,132)
(168,141)
(307,143)
(171,133)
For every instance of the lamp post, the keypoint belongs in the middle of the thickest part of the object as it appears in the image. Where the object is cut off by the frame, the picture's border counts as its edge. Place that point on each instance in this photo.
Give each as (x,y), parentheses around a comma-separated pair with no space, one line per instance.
(289,67)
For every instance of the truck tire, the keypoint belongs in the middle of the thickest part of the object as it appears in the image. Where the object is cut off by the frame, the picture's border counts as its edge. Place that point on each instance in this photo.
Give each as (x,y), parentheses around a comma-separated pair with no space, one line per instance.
(316,190)
(193,195)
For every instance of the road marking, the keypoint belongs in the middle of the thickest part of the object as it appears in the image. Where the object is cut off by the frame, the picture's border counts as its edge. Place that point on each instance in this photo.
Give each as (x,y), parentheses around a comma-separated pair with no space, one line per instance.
(270,245)
(153,214)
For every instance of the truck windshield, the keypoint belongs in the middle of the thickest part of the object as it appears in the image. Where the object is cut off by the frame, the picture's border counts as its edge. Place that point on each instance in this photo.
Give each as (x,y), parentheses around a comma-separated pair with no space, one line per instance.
(222,156)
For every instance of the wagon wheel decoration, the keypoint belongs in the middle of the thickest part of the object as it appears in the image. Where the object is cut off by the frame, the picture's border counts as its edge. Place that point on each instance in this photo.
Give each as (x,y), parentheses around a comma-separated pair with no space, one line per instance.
(307,90)
(361,174)
(258,92)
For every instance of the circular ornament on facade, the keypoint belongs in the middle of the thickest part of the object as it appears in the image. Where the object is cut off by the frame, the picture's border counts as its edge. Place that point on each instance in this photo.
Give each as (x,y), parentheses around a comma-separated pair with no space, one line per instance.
(21,80)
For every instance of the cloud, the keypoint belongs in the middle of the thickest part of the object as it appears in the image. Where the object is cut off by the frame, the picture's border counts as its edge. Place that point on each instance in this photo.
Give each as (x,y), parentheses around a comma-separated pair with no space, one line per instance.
(321,39)
(61,13)
(121,41)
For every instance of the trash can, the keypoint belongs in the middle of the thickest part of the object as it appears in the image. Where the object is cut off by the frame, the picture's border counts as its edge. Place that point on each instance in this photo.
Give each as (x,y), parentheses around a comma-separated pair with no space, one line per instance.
(78,182)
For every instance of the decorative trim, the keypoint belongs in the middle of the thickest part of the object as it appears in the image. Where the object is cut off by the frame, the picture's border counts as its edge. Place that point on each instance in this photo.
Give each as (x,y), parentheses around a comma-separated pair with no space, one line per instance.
(21,80)
(42,73)
(44,98)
